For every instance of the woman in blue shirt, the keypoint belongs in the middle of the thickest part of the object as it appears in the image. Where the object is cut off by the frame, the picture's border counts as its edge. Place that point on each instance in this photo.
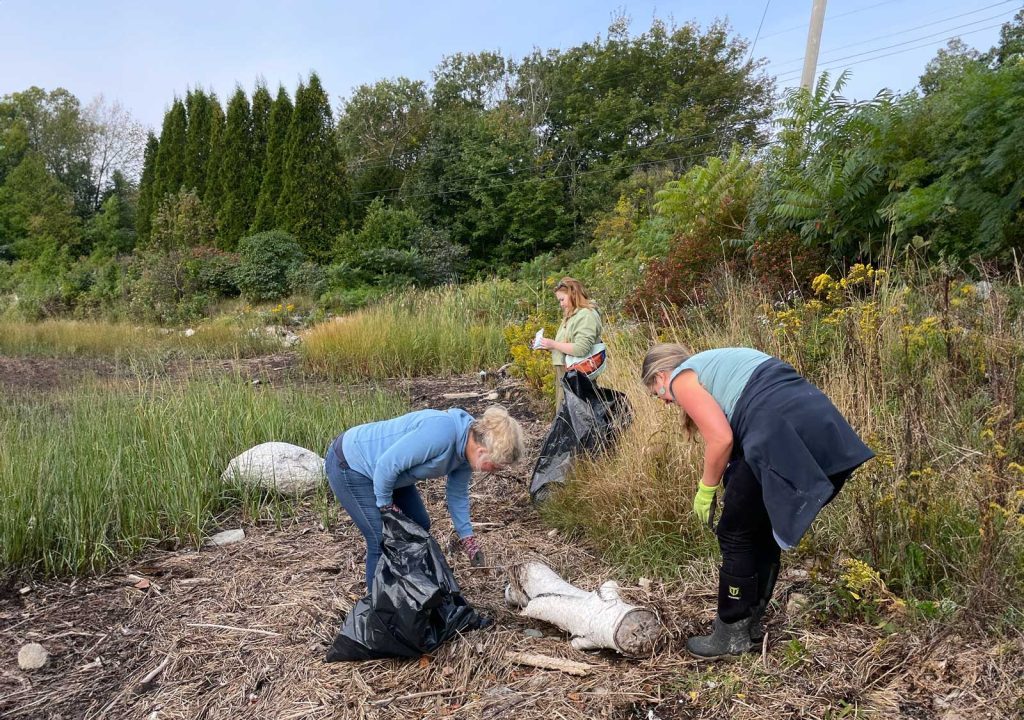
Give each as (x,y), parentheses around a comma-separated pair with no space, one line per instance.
(375,467)
(781,451)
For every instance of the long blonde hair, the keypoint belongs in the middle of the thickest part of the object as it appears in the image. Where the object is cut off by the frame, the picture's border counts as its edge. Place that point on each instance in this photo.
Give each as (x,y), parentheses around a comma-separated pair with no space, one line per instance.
(666,357)
(577,295)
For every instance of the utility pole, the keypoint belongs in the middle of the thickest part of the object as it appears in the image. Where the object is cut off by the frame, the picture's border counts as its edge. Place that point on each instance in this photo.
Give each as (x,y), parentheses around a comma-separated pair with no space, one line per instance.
(813,43)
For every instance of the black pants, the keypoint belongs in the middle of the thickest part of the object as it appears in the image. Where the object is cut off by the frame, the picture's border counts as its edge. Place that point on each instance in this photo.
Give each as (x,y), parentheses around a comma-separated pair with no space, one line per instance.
(749,549)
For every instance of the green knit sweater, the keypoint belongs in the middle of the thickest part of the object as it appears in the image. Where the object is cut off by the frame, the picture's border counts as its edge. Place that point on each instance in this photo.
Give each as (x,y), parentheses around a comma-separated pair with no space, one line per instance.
(582,329)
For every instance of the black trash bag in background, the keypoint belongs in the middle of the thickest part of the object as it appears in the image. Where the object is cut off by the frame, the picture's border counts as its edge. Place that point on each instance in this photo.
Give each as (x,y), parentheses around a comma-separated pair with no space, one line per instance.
(589,419)
(414,605)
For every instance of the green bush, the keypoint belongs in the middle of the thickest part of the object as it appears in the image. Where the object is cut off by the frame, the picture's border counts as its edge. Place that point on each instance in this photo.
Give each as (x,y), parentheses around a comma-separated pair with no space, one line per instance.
(266,259)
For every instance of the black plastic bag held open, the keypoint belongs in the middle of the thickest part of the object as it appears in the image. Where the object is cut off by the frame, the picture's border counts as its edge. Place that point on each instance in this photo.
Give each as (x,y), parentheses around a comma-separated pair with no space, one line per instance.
(414,604)
(589,419)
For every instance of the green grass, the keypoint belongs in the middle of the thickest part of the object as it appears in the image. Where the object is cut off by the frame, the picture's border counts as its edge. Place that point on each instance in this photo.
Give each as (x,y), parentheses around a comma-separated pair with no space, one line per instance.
(93,475)
(121,341)
(438,332)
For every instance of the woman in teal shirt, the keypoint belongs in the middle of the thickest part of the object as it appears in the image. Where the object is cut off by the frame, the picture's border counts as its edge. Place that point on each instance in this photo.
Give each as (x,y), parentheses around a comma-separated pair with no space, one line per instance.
(780,449)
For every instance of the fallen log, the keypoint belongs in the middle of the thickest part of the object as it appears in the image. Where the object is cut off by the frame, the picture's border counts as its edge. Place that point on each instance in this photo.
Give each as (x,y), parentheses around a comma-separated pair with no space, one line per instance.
(546,662)
(598,619)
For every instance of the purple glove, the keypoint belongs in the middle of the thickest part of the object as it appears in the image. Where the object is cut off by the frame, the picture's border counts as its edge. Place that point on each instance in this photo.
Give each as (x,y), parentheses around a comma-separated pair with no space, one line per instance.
(471,546)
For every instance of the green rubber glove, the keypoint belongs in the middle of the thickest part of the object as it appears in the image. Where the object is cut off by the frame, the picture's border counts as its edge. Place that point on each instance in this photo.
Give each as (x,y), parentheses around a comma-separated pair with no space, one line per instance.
(702,501)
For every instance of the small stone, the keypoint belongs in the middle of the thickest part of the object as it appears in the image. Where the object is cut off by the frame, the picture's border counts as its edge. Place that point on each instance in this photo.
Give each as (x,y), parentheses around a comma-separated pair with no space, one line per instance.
(645,584)
(32,656)
(492,396)
(553,533)
(531,632)
(797,604)
(25,590)
(190,332)
(227,537)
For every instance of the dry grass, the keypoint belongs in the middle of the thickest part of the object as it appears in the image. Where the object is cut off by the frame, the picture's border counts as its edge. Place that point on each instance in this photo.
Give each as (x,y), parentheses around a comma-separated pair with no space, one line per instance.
(240,632)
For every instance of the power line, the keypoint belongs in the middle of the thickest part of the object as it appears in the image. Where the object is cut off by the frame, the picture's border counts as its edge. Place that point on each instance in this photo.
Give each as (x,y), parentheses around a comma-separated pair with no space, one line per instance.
(758,33)
(848,12)
(905,42)
(594,171)
(792,74)
(542,166)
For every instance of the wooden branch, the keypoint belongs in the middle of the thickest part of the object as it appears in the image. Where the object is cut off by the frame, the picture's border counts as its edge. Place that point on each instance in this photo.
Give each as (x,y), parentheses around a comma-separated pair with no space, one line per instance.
(412,696)
(550,663)
(598,619)
(235,629)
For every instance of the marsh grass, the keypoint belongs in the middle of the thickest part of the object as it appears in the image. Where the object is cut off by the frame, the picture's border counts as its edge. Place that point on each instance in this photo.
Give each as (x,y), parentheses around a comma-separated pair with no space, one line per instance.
(932,385)
(443,331)
(124,342)
(92,475)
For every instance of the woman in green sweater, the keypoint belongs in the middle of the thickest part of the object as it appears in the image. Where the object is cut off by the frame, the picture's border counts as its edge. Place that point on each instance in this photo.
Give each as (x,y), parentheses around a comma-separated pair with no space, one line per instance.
(577,344)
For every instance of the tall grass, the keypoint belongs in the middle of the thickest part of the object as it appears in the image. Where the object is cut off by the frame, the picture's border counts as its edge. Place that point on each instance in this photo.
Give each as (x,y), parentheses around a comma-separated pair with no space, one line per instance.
(121,341)
(931,378)
(90,476)
(441,331)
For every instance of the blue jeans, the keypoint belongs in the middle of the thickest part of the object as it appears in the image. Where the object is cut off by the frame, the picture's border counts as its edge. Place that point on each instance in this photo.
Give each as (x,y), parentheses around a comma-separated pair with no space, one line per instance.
(355,493)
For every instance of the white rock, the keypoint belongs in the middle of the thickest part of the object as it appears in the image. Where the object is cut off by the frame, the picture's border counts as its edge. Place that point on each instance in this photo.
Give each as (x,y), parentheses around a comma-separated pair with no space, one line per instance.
(289,469)
(190,332)
(797,604)
(984,289)
(32,656)
(290,340)
(227,537)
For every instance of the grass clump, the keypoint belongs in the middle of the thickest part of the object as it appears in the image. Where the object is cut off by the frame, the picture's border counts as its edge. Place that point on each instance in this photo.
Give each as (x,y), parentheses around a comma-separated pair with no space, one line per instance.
(442,331)
(93,475)
(121,341)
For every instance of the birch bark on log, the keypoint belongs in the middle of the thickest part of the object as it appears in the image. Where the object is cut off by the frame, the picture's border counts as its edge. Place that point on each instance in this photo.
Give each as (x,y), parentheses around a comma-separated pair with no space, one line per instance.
(599,619)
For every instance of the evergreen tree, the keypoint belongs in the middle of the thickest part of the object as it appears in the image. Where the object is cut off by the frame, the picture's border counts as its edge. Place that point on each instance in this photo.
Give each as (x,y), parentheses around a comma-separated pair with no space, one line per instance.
(37,213)
(261,106)
(171,158)
(273,164)
(197,143)
(314,198)
(235,173)
(214,194)
(147,188)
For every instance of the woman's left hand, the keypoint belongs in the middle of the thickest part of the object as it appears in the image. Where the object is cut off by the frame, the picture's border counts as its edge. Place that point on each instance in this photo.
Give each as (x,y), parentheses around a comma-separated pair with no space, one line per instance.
(471,546)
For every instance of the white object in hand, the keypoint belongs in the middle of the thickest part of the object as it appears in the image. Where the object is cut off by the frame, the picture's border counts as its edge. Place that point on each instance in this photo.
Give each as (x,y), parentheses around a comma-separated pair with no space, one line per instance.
(537,338)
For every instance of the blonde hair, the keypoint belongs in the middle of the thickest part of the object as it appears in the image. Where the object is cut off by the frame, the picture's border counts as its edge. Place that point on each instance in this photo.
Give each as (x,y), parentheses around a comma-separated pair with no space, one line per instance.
(577,295)
(500,434)
(666,357)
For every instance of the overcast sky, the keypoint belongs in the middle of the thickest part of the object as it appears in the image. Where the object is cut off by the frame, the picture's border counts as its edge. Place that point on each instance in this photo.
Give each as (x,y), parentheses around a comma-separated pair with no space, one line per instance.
(143,53)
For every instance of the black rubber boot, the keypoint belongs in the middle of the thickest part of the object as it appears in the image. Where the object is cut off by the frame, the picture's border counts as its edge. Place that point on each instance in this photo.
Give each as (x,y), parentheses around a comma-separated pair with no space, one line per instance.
(737,597)
(725,639)
(766,578)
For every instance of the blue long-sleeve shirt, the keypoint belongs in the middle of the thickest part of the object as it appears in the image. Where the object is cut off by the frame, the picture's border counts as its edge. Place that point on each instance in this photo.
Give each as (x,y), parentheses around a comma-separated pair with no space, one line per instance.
(423,444)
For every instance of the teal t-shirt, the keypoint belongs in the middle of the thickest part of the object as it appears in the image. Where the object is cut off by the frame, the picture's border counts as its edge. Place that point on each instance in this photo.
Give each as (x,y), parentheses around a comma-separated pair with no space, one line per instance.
(724,373)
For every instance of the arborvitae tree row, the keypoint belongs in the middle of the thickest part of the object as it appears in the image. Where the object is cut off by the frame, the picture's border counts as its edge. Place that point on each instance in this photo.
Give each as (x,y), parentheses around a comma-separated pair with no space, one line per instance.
(212,198)
(314,198)
(261,106)
(273,164)
(171,156)
(235,174)
(147,189)
(199,107)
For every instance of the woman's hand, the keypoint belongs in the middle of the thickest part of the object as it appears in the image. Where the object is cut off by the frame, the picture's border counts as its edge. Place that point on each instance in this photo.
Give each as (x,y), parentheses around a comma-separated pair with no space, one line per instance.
(545,344)
(471,546)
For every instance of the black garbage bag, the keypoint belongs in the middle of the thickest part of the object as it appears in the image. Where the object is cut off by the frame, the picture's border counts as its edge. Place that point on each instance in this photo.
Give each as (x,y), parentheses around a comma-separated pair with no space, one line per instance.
(414,604)
(589,419)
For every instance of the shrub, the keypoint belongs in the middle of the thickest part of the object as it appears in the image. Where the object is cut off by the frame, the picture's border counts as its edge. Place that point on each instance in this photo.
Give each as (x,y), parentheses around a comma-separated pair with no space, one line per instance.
(266,259)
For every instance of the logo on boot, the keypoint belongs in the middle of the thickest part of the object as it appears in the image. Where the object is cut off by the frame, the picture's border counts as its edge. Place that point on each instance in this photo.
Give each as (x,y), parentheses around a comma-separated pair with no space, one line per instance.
(734,592)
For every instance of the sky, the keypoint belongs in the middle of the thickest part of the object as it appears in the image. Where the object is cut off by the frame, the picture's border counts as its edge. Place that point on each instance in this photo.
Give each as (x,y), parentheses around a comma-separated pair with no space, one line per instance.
(143,53)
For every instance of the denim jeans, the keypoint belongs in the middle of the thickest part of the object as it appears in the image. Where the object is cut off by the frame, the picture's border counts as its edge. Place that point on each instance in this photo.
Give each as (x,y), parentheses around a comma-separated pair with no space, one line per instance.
(355,493)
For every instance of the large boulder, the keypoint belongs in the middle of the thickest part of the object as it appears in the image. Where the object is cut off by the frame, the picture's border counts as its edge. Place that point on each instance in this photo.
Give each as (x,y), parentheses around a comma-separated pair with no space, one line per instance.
(289,469)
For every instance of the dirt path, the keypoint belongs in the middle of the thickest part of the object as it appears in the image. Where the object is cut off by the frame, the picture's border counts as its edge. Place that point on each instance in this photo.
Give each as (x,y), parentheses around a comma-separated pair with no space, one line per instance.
(240,632)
